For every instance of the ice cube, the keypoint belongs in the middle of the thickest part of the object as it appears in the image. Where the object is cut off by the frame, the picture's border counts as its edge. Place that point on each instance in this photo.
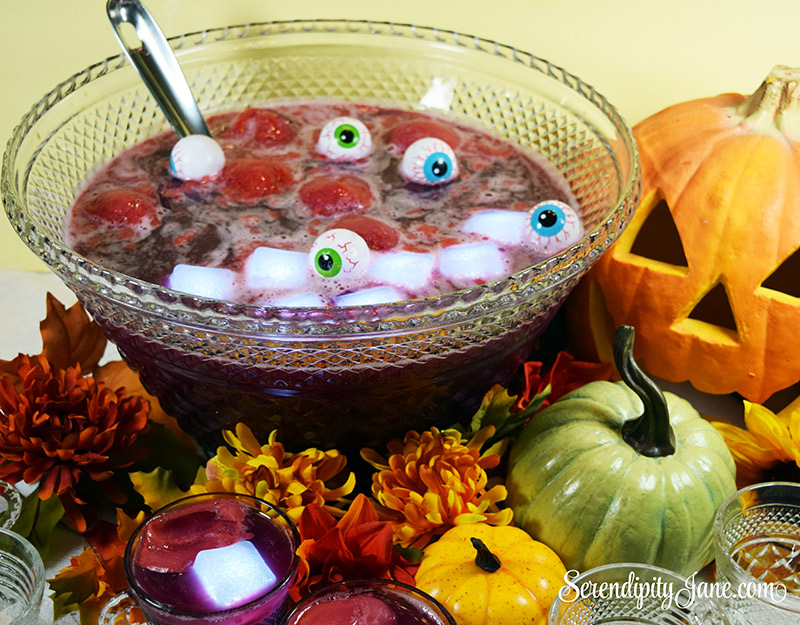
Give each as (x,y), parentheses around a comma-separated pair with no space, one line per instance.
(276,269)
(503,226)
(232,575)
(305,299)
(468,264)
(372,295)
(203,281)
(409,271)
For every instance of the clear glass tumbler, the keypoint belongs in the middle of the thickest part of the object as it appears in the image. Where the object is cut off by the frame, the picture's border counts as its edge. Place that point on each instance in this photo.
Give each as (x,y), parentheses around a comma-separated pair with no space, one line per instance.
(757,551)
(628,593)
(21,580)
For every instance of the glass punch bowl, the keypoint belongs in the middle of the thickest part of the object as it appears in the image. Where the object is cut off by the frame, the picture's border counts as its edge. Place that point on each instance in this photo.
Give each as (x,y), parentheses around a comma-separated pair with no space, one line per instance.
(330,377)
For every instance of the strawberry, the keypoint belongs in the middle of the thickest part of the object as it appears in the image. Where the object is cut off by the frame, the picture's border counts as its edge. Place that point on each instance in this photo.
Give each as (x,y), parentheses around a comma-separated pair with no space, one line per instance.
(406,133)
(378,235)
(170,542)
(333,195)
(121,207)
(263,126)
(252,178)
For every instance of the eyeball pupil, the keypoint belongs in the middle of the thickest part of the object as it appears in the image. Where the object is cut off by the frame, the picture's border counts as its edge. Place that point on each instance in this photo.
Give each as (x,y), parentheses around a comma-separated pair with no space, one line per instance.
(347,136)
(325,262)
(439,168)
(548,218)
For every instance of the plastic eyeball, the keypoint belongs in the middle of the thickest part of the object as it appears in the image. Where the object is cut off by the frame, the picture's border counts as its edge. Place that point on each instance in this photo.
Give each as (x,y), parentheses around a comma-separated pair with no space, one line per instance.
(554,226)
(196,157)
(340,255)
(429,161)
(344,139)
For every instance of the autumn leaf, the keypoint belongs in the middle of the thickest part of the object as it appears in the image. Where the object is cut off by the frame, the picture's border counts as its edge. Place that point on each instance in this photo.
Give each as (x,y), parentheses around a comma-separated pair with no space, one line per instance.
(69,337)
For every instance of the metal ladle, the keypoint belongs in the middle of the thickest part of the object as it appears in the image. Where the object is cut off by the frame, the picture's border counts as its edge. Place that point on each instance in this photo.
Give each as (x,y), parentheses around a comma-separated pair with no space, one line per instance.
(155,61)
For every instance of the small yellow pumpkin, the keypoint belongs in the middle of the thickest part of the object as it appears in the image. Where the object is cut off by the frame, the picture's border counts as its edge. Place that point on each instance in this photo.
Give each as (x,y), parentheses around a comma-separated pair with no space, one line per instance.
(491,575)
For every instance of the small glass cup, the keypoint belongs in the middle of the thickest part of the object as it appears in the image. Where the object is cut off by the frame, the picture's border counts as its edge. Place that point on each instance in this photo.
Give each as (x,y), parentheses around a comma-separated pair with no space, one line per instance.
(10,504)
(627,593)
(757,552)
(210,558)
(21,580)
(409,605)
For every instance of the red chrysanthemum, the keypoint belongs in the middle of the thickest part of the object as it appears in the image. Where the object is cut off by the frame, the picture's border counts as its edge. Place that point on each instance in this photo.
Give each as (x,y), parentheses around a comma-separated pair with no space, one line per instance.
(60,427)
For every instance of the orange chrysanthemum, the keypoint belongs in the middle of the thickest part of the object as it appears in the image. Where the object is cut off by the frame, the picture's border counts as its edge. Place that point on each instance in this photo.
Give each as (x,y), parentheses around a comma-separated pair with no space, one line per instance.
(60,427)
(287,480)
(769,448)
(434,481)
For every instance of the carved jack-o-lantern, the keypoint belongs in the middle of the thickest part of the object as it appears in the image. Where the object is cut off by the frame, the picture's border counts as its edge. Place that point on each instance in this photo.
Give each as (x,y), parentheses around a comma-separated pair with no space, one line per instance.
(708,271)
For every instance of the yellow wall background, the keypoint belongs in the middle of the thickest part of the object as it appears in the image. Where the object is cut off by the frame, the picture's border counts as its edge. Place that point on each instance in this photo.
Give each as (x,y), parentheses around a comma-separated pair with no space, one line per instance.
(641,54)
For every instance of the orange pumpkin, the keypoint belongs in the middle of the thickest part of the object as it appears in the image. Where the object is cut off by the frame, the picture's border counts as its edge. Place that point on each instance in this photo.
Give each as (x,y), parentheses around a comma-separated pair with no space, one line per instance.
(708,269)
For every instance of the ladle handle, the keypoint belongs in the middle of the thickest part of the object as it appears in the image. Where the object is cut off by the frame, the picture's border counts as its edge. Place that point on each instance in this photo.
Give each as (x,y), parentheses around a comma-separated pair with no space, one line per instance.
(155,61)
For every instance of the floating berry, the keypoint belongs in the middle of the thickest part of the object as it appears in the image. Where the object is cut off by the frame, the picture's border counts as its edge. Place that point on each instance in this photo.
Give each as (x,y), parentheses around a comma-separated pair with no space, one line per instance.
(252,178)
(196,157)
(334,195)
(121,207)
(406,133)
(262,126)
(169,542)
(378,235)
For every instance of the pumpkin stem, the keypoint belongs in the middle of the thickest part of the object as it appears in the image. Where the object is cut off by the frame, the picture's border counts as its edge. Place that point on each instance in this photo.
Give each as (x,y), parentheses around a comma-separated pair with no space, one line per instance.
(485,559)
(650,434)
(775,106)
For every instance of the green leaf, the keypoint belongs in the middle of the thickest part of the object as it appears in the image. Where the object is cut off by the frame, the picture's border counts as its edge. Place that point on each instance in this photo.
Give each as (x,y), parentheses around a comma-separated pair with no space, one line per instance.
(157,487)
(167,451)
(412,554)
(37,520)
(497,409)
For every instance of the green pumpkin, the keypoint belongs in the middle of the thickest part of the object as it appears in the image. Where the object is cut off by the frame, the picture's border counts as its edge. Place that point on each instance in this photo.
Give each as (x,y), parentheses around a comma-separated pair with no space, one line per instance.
(619,472)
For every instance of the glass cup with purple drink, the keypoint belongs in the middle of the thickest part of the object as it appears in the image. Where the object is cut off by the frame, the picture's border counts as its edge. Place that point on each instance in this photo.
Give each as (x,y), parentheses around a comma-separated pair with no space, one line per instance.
(209,558)
(369,601)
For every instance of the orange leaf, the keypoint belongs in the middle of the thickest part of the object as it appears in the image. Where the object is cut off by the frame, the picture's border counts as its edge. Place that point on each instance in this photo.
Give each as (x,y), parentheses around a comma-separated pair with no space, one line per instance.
(69,337)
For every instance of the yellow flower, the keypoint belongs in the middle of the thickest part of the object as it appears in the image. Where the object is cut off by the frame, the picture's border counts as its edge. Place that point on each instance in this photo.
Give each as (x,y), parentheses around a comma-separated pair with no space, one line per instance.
(434,481)
(769,447)
(289,481)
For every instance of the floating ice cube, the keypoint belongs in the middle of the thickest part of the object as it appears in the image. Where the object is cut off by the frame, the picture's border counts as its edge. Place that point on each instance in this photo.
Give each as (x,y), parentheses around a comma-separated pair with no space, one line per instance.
(299,300)
(203,281)
(232,575)
(276,269)
(467,264)
(503,226)
(372,295)
(409,271)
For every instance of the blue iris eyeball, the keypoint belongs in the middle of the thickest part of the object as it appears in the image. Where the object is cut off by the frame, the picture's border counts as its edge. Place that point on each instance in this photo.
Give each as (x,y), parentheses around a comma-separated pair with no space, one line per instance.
(554,226)
(429,161)
(344,139)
